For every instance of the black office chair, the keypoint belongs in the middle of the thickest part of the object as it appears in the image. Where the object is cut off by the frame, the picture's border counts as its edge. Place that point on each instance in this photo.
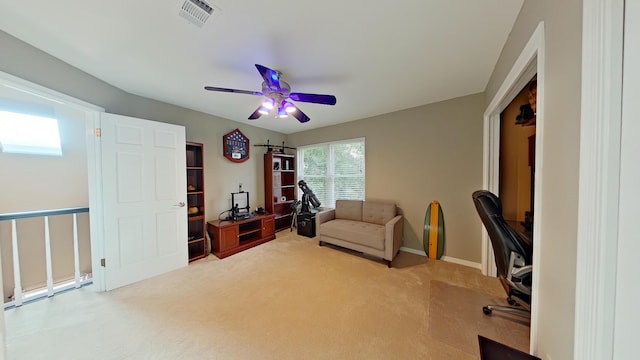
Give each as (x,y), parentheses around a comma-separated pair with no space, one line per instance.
(513,254)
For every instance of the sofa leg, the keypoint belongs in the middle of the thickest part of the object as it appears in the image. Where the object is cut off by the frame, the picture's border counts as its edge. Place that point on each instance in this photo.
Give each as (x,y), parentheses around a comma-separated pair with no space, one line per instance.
(389,264)
(319,242)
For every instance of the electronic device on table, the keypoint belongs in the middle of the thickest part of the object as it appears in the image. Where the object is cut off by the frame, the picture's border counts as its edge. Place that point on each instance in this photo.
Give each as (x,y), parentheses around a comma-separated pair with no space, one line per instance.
(240,209)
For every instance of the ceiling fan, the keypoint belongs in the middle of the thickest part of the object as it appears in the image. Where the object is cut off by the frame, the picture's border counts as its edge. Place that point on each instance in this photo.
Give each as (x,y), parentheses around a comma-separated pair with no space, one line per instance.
(278,93)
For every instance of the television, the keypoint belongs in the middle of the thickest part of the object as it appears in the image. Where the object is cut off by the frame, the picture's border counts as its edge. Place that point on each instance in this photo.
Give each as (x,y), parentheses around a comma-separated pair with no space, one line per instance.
(240,208)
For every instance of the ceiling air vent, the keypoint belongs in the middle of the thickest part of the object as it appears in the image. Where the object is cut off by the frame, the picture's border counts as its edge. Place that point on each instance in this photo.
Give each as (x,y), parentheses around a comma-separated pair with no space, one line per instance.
(197,11)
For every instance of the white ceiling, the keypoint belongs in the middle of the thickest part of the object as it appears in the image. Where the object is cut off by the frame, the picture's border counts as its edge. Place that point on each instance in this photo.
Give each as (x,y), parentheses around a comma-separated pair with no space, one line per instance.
(375,57)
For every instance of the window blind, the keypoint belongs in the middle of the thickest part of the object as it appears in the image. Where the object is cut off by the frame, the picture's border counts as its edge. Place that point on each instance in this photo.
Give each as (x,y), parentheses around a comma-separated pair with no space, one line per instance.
(334,170)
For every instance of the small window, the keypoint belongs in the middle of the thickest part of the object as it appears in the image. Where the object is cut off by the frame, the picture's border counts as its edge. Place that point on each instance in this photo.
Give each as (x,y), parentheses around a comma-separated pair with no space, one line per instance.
(29,134)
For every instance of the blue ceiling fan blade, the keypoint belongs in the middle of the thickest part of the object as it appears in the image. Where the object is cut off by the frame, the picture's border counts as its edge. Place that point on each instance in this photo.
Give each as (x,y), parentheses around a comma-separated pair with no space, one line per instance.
(270,77)
(298,114)
(213,88)
(256,114)
(313,98)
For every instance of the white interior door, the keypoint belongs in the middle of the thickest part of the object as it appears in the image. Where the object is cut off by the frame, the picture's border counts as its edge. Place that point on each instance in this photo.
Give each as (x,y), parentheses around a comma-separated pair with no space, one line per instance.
(144,194)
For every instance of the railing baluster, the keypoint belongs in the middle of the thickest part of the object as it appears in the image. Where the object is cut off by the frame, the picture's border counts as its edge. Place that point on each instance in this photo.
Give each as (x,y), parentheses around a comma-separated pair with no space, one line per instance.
(17,282)
(76,253)
(47,244)
(20,296)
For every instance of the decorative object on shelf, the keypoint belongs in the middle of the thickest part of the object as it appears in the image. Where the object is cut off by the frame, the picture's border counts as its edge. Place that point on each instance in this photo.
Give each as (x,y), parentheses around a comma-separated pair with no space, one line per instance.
(528,111)
(193,210)
(526,114)
(236,146)
(283,198)
(532,95)
(277,149)
(191,188)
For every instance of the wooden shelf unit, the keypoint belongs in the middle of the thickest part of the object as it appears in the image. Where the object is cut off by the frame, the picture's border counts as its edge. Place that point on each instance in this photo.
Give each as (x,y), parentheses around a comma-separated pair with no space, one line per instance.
(229,237)
(197,226)
(280,181)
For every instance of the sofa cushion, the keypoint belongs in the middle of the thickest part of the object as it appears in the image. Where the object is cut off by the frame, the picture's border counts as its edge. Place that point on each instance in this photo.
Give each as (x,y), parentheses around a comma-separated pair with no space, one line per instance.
(378,213)
(349,209)
(367,234)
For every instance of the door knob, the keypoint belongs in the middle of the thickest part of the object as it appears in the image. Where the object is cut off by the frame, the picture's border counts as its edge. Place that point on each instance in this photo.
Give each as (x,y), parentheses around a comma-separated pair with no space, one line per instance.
(181,204)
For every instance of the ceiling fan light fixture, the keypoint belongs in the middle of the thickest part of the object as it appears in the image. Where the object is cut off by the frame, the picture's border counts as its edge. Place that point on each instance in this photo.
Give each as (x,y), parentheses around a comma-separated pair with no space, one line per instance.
(282,113)
(263,110)
(268,103)
(288,107)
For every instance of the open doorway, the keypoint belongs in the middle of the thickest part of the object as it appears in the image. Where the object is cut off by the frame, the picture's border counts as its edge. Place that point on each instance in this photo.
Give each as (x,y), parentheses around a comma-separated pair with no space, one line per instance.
(517,159)
(529,64)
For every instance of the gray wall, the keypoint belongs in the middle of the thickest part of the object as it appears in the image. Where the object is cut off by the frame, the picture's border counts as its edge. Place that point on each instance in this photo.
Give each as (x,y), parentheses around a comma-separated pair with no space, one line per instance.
(221,175)
(414,156)
(559,207)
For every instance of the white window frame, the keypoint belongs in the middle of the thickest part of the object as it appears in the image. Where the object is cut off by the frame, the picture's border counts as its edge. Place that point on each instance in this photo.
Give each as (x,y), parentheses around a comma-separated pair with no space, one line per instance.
(330,176)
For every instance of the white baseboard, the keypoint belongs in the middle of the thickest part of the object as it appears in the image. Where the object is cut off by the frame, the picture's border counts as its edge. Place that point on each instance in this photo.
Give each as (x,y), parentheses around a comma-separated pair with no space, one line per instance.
(445,258)
(462,262)
(413,251)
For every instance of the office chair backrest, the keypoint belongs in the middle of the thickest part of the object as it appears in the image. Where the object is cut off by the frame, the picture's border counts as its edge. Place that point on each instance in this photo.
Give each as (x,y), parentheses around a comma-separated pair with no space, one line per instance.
(504,239)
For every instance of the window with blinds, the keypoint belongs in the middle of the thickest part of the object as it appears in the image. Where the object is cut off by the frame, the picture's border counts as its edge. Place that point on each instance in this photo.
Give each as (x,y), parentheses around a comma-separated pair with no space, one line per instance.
(334,170)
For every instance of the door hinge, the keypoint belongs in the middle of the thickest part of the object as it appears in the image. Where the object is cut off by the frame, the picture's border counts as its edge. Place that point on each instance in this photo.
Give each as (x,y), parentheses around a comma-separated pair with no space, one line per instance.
(98,132)
(103,262)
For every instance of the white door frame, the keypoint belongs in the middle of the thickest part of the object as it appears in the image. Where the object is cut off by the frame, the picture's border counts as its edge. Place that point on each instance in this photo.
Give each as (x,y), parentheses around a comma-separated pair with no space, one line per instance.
(529,63)
(598,198)
(627,295)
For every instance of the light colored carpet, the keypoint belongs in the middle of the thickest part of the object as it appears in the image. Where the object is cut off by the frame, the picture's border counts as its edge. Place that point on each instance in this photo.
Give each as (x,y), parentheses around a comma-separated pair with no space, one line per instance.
(456,318)
(286,299)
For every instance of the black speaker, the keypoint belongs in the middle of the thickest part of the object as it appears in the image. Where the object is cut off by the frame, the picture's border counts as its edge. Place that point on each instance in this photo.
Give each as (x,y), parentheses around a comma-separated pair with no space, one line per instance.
(306,224)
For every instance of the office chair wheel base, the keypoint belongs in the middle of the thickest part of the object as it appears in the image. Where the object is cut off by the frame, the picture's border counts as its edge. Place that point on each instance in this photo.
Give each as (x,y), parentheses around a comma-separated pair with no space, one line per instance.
(486,310)
(512,302)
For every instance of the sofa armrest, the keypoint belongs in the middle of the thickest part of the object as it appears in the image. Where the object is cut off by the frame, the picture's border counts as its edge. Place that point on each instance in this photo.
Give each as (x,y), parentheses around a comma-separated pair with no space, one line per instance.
(393,237)
(323,216)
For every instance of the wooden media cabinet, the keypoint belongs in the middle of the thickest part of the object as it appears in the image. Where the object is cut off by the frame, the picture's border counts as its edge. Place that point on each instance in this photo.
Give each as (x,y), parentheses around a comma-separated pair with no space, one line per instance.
(229,237)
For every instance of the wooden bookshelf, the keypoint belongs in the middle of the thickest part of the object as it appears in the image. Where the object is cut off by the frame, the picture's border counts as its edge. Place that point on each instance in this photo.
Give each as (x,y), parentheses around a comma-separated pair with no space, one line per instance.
(280,188)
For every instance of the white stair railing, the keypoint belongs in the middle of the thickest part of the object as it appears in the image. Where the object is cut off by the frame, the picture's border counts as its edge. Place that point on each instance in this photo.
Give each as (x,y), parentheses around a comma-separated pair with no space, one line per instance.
(20,296)
(17,281)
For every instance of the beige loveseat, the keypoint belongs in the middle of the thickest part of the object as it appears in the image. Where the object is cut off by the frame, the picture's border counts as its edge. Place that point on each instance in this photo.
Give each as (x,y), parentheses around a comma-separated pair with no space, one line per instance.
(373,228)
